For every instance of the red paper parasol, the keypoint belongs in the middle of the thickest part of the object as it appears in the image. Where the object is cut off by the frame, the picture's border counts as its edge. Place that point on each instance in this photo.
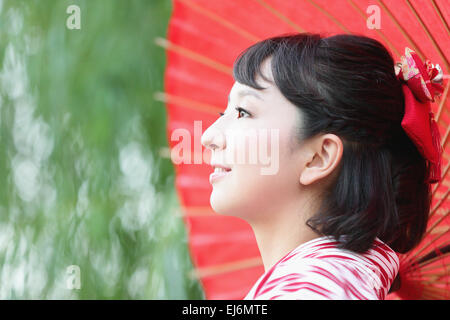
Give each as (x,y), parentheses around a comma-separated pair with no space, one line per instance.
(204,39)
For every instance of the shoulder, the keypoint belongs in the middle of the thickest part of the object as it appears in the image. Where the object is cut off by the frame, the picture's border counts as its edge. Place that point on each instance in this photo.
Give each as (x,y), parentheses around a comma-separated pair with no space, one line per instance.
(327,272)
(315,278)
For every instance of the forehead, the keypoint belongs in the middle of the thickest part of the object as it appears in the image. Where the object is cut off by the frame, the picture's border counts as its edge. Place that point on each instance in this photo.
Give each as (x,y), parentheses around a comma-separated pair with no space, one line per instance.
(240,90)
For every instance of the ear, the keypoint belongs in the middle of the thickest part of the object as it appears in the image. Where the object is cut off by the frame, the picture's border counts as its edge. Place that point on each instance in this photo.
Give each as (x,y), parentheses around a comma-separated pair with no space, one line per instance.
(325,156)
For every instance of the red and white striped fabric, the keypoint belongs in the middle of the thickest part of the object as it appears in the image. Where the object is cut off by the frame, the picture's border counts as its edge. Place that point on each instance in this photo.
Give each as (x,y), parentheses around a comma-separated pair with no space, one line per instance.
(318,269)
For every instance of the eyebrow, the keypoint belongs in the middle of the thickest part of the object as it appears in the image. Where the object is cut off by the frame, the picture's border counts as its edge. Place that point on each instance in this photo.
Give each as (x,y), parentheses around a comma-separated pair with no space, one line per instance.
(247,93)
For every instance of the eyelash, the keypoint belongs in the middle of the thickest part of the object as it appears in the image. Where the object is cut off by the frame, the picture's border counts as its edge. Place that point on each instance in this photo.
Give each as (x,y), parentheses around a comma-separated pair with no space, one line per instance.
(238,109)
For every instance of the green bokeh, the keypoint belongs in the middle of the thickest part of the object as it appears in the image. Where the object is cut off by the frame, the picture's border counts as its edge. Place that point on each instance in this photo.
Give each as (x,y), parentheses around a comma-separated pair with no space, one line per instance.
(83,180)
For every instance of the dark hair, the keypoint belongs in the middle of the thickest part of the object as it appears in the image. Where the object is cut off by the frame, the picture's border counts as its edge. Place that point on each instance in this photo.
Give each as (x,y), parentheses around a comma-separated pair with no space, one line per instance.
(346,85)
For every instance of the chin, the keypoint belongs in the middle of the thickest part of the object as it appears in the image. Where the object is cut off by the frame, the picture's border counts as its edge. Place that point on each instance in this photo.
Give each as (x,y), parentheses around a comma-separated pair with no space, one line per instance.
(219,204)
(227,207)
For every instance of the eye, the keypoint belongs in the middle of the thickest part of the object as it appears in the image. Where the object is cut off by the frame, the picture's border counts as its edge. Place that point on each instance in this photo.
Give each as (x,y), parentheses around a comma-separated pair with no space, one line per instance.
(240,111)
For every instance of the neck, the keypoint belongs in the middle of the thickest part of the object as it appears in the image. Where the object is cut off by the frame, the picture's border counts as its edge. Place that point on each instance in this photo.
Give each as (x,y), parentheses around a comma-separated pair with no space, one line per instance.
(277,237)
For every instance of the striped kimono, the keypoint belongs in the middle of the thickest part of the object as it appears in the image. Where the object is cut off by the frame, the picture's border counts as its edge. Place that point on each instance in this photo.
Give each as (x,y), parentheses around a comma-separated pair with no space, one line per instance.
(318,269)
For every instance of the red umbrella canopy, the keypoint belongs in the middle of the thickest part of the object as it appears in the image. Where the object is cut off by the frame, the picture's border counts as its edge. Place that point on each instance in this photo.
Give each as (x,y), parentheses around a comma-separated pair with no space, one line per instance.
(204,39)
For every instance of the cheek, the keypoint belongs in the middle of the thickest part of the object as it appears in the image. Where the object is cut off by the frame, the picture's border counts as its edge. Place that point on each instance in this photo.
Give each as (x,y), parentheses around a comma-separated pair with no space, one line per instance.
(244,193)
(252,188)
(256,146)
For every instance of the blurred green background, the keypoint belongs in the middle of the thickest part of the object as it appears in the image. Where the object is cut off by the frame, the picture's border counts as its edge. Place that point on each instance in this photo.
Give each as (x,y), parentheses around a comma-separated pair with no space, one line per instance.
(83,181)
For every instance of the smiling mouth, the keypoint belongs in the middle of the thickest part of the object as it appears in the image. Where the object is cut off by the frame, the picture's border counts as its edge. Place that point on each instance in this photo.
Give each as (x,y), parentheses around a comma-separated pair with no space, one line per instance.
(218,173)
(219,169)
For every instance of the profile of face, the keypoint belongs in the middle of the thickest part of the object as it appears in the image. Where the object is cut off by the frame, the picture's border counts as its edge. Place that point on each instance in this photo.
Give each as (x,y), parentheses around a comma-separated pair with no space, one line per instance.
(255,190)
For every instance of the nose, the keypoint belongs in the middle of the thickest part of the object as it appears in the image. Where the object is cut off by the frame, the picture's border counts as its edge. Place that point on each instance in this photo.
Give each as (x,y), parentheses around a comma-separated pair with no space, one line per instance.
(213,138)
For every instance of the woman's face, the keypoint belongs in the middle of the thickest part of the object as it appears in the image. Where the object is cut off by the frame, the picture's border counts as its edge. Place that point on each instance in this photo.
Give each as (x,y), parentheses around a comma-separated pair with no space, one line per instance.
(264,127)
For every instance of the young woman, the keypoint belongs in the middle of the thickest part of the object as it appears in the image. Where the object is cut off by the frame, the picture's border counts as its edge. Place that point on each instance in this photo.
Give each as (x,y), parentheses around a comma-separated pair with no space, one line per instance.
(350,187)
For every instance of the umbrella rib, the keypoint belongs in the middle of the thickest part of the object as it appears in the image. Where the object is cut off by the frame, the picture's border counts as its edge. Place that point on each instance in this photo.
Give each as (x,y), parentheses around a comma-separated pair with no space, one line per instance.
(225,267)
(330,16)
(445,137)
(430,36)
(430,292)
(439,230)
(430,278)
(435,293)
(416,266)
(439,13)
(435,296)
(428,296)
(427,245)
(403,31)
(408,256)
(443,142)
(280,16)
(433,267)
(193,55)
(441,200)
(442,101)
(431,282)
(438,220)
(186,103)
(298,28)
(220,20)
(381,34)
(165,152)
(436,186)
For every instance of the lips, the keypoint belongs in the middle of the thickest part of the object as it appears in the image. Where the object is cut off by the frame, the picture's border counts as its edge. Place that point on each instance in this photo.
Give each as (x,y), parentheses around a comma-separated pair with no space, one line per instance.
(220,171)
(218,165)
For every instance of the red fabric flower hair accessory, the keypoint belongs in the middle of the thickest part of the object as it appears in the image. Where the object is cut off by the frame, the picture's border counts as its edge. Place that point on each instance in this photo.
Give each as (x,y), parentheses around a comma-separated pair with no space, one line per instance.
(422,83)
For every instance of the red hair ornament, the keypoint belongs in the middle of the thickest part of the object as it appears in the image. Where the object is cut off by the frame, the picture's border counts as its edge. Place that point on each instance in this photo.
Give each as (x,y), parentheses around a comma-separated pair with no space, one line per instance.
(422,82)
